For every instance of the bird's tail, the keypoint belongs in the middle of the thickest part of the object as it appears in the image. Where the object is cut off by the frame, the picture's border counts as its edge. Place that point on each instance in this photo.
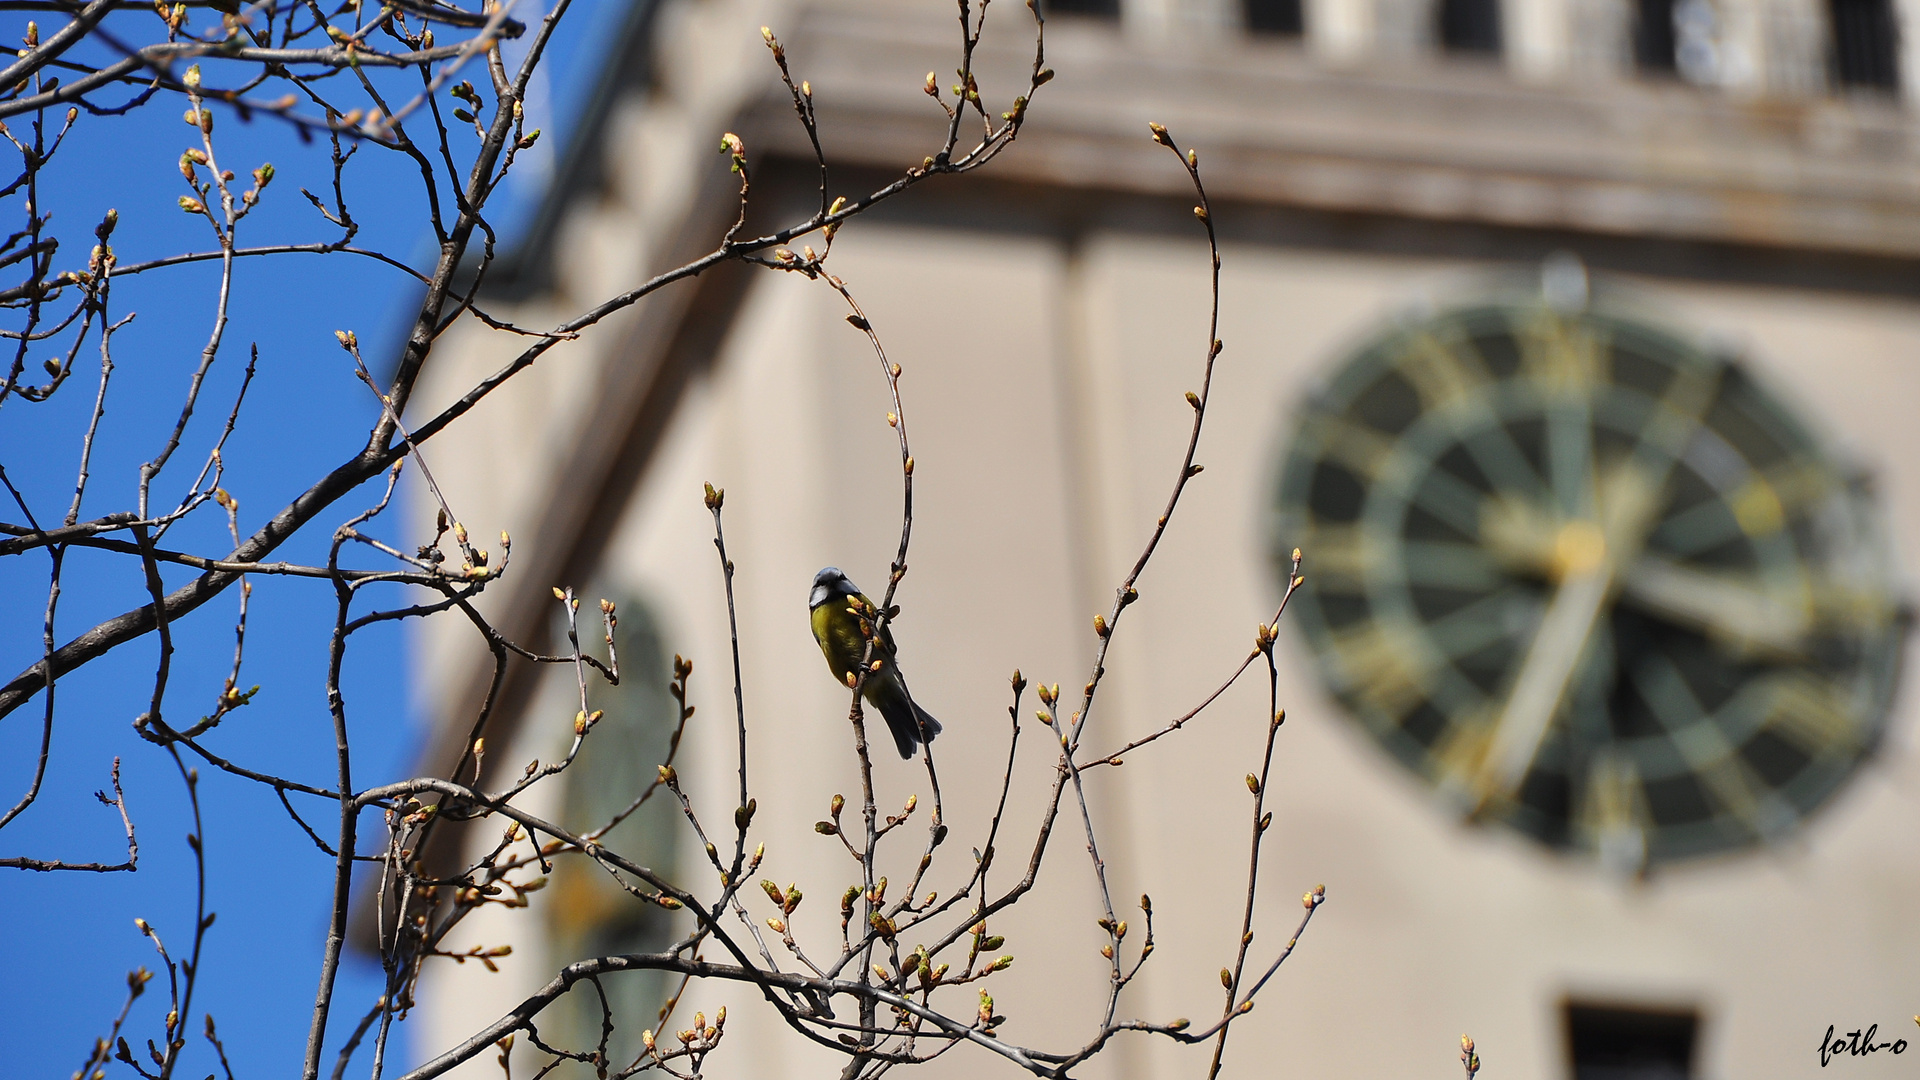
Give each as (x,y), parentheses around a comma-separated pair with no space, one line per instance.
(907,722)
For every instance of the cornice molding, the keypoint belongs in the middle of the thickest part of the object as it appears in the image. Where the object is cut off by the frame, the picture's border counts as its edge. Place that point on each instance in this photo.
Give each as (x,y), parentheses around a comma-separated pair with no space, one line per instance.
(1435,139)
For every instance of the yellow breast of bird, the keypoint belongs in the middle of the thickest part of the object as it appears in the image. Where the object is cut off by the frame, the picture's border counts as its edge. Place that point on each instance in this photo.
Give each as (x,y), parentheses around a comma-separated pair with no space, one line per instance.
(838,632)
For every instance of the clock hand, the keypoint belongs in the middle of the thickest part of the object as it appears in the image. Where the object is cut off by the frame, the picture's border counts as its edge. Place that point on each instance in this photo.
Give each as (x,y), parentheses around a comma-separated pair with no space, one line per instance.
(1721,605)
(1586,560)
(1520,535)
(1550,662)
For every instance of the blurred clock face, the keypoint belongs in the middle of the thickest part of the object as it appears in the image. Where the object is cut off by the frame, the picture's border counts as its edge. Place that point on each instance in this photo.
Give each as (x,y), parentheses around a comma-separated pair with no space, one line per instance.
(1589,580)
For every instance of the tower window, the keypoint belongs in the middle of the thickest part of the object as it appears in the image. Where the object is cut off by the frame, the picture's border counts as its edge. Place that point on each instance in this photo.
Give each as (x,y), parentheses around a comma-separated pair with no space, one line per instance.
(589,913)
(1864,43)
(1105,9)
(1470,26)
(1653,43)
(1281,17)
(1613,1043)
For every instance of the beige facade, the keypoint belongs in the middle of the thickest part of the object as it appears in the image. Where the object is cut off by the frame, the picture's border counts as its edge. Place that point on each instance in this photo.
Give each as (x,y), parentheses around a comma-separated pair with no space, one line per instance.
(1048,317)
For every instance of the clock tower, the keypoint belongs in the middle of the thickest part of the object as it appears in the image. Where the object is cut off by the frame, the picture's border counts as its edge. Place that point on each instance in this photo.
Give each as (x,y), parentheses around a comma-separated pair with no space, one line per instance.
(1574,343)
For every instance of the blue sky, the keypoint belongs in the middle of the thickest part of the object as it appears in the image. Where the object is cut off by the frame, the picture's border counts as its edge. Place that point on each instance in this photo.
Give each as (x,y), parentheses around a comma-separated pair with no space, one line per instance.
(71,938)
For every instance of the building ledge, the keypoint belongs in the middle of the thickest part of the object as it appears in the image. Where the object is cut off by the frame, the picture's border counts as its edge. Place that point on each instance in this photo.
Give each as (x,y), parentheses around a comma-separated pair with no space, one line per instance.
(1425,138)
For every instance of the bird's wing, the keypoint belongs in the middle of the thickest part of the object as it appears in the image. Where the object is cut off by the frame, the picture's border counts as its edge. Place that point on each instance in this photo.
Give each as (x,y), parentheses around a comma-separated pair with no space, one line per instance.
(884,649)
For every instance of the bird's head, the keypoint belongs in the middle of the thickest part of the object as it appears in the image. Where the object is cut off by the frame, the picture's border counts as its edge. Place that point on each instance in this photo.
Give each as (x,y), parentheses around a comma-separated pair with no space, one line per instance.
(828,584)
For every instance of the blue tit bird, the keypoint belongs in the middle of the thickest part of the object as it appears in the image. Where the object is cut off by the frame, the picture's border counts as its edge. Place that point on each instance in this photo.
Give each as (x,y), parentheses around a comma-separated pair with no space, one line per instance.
(836,626)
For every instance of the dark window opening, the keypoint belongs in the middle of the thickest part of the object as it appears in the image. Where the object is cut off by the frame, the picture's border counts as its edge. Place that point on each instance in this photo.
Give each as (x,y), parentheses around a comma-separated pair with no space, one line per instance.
(1653,43)
(1282,17)
(1612,1043)
(1470,26)
(1105,9)
(589,914)
(1865,43)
